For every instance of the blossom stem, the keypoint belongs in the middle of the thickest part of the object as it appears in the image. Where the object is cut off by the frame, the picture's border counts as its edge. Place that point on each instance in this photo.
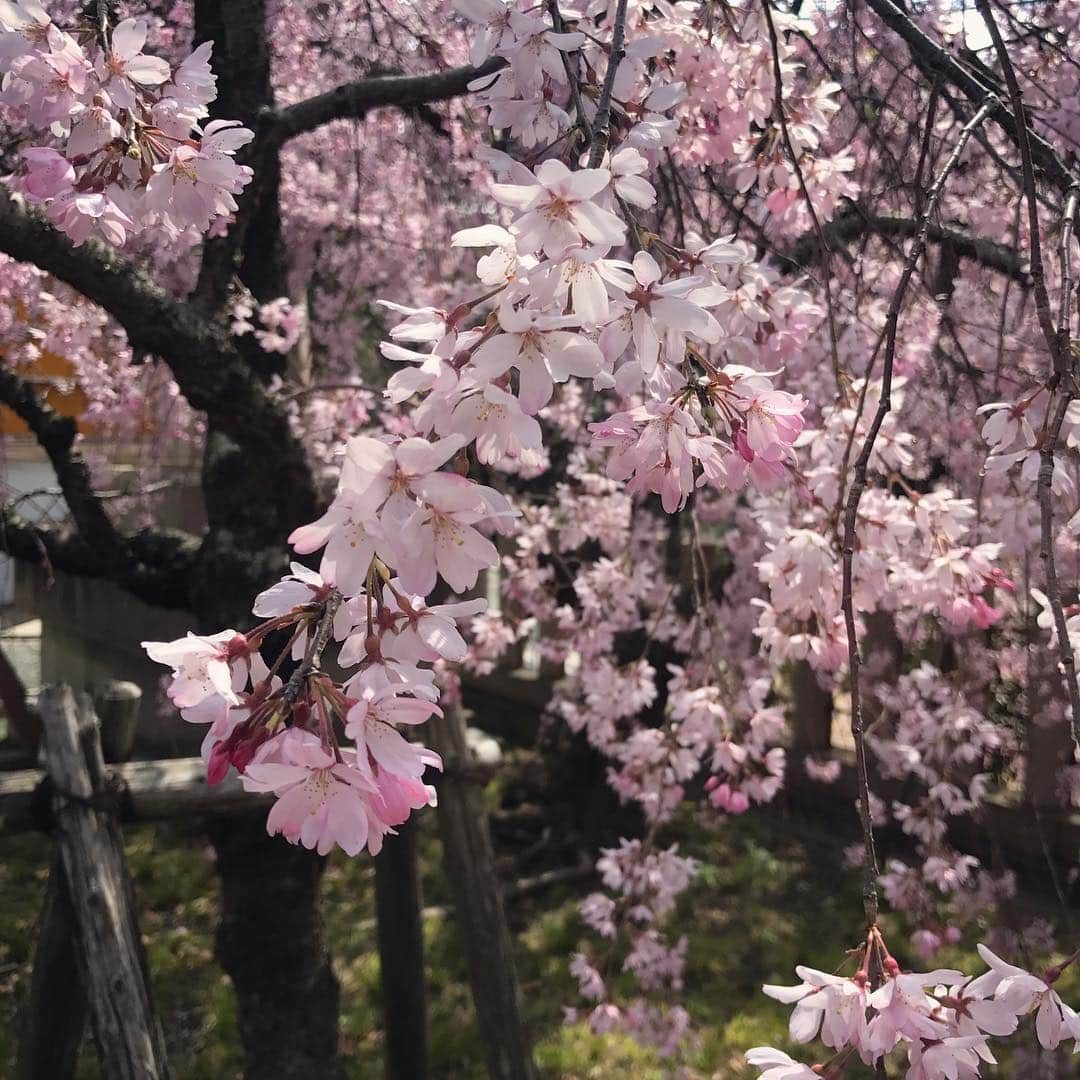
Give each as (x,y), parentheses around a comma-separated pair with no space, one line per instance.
(851,510)
(286,651)
(571,68)
(315,647)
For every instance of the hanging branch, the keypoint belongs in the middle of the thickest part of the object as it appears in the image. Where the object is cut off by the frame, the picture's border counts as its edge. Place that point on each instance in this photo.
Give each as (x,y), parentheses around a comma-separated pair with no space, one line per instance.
(823,243)
(1027,175)
(858,486)
(1062,380)
(1045,482)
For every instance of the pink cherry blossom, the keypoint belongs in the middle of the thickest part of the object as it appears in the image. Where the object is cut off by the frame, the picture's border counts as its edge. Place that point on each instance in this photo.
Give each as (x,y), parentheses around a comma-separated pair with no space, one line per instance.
(543,349)
(49,173)
(127,66)
(372,726)
(321,801)
(831,1005)
(558,209)
(202,666)
(440,536)
(776,1065)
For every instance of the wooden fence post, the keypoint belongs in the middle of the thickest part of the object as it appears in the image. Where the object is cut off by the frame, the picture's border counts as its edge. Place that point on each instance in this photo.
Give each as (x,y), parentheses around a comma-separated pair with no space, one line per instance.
(129,1038)
(116,703)
(55,1013)
(478,909)
(400,932)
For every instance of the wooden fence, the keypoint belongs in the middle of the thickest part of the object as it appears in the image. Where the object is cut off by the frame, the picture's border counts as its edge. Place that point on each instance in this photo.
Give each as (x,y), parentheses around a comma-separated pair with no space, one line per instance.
(89,957)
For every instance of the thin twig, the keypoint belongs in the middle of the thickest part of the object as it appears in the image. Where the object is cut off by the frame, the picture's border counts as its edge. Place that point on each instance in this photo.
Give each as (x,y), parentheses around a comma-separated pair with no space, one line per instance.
(858,486)
(1027,172)
(570,66)
(823,243)
(322,388)
(1065,242)
(601,132)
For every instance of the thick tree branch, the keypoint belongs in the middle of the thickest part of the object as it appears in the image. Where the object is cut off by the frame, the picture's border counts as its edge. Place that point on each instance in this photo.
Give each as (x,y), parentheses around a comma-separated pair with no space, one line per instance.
(356,99)
(158,571)
(201,355)
(930,55)
(152,564)
(56,436)
(253,238)
(852,225)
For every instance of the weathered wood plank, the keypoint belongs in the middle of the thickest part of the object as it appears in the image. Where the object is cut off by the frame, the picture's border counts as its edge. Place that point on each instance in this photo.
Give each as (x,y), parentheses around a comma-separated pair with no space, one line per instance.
(54,1015)
(400,932)
(470,867)
(127,1032)
(155,790)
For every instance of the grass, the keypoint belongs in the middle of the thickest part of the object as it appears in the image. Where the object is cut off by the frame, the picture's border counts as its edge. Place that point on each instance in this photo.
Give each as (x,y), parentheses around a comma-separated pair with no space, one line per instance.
(769,895)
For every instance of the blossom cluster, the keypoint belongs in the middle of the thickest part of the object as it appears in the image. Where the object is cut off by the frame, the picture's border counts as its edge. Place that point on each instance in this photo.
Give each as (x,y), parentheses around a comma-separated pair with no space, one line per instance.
(647,883)
(930,736)
(941,1019)
(916,557)
(131,153)
(283,737)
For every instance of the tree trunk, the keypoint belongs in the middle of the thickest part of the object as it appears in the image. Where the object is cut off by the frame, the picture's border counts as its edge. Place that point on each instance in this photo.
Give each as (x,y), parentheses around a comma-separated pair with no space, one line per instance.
(811,714)
(270,936)
(270,942)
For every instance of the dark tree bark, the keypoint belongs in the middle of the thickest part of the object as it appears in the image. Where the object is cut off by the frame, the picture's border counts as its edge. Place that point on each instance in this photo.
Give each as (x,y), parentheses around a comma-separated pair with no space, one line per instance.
(270,942)
(270,938)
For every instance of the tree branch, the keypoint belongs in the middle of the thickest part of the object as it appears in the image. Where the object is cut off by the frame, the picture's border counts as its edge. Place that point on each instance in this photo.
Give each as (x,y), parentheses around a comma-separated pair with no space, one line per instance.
(858,486)
(853,224)
(152,564)
(601,132)
(929,54)
(157,572)
(200,354)
(56,436)
(356,99)
(225,256)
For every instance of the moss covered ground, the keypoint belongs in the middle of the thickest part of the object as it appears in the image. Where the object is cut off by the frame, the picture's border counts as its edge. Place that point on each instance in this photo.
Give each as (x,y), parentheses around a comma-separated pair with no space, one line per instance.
(770,895)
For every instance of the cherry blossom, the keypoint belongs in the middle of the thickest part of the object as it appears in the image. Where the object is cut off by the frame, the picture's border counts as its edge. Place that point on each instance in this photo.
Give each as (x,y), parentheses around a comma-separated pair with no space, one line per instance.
(127,68)
(558,211)
(202,666)
(776,1065)
(320,802)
